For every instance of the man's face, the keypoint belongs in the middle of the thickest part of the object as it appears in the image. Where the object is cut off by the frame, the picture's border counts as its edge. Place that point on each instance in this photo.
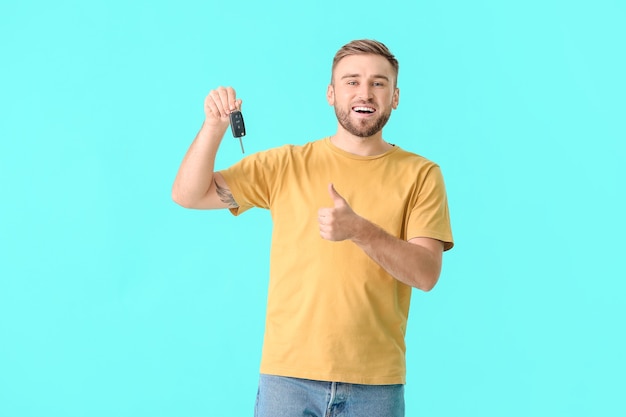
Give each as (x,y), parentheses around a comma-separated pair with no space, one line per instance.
(363,93)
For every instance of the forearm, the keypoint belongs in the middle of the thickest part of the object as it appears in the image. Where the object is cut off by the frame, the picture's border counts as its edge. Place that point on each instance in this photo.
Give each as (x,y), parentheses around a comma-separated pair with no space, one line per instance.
(416,263)
(410,263)
(195,175)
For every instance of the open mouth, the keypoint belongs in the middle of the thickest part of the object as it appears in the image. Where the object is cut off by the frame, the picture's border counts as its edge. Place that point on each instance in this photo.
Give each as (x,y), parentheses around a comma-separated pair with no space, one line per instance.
(364,109)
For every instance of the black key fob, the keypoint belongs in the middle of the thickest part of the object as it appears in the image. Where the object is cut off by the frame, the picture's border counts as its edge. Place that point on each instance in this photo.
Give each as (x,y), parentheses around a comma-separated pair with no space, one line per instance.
(237,126)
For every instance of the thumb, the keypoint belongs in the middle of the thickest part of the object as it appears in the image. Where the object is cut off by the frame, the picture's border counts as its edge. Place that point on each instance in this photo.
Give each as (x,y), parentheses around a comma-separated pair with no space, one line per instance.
(337,198)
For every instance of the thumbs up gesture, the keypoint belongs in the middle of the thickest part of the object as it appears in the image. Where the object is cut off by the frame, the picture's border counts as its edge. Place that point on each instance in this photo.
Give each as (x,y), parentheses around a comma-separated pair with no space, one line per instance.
(339,222)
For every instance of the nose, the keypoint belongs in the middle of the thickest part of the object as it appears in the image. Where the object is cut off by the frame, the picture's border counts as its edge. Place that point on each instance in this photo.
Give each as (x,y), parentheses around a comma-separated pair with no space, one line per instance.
(365,92)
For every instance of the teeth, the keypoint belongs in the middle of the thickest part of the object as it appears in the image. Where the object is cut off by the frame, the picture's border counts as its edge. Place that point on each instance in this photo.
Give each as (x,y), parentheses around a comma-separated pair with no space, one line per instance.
(364,109)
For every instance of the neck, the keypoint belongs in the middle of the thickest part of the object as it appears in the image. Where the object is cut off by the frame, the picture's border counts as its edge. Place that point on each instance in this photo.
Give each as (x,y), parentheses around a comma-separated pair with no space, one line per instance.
(362,146)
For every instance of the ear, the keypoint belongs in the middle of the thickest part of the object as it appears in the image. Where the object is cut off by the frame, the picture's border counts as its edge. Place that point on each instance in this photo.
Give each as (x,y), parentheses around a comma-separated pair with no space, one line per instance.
(395,100)
(330,94)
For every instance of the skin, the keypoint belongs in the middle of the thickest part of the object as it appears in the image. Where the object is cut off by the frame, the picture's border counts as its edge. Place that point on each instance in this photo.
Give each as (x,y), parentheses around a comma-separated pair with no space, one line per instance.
(367,81)
(196,185)
(358,81)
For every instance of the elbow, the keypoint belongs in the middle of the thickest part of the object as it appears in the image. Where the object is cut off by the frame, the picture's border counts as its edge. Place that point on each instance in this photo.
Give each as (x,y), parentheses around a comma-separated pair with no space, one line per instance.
(180,199)
(427,283)
(179,202)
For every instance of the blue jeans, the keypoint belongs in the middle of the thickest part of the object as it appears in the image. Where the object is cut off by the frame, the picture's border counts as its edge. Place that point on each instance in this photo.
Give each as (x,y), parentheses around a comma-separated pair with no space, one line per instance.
(292,397)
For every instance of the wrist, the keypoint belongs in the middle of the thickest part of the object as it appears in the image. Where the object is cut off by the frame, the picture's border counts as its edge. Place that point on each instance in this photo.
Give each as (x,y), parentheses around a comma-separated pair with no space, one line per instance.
(213,132)
(364,231)
(215,125)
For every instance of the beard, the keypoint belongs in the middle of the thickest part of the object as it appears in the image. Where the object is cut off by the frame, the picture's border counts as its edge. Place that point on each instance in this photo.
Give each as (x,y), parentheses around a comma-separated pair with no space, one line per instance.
(362,128)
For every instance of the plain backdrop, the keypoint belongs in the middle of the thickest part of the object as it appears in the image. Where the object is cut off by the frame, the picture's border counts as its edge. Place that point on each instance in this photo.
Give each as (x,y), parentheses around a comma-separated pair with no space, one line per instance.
(114,301)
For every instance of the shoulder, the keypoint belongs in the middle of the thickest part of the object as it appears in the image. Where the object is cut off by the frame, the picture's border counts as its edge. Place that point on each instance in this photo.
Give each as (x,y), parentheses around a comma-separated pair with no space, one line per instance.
(276,158)
(289,151)
(412,160)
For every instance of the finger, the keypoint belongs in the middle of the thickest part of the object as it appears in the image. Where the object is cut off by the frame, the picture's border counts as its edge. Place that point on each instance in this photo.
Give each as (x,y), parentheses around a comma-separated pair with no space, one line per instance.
(325,215)
(211,109)
(216,104)
(336,197)
(225,94)
(325,233)
(231,98)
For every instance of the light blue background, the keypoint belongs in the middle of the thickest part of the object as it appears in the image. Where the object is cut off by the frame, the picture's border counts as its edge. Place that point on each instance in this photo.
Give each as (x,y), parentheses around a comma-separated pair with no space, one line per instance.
(116,302)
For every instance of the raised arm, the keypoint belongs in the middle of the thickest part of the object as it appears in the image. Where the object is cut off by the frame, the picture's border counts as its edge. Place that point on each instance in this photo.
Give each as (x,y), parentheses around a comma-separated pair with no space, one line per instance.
(197,185)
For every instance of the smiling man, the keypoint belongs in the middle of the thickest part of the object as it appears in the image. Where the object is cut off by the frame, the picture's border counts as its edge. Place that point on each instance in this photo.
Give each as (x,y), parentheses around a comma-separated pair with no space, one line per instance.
(358,223)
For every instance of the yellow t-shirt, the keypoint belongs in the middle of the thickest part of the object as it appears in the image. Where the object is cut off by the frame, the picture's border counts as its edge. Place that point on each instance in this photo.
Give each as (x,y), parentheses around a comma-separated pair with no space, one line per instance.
(333,314)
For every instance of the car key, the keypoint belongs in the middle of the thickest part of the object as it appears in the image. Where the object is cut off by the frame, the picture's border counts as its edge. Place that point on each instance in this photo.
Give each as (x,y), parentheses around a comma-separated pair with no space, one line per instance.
(237,126)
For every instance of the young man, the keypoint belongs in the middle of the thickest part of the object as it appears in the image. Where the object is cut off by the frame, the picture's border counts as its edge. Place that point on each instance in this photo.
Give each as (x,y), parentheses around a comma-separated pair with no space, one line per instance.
(357,221)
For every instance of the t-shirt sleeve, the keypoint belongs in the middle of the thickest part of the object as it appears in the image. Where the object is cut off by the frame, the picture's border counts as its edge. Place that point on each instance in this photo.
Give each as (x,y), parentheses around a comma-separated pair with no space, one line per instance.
(249,181)
(429,216)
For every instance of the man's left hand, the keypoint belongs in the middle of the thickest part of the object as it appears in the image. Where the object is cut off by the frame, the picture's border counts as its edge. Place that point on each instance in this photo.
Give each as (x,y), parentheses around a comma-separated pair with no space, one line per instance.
(339,222)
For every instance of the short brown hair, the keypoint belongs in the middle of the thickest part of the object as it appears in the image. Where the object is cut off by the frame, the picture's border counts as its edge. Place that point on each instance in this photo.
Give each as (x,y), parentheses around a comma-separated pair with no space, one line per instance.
(365,46)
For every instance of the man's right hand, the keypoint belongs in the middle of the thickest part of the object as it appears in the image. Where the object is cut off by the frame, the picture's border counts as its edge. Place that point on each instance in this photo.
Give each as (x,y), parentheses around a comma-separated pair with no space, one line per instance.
(218,105)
